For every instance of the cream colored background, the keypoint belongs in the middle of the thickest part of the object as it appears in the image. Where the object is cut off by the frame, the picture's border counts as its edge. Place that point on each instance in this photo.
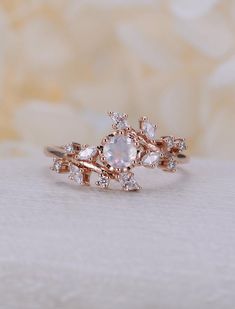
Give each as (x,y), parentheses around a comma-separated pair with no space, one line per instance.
(63,64)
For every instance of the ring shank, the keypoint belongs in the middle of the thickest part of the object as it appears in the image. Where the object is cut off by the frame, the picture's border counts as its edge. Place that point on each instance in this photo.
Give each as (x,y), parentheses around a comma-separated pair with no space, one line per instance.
(55,151)
(60,153)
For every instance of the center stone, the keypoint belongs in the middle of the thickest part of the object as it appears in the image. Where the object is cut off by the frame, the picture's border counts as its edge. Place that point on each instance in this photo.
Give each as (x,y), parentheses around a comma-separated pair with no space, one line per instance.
(120,151)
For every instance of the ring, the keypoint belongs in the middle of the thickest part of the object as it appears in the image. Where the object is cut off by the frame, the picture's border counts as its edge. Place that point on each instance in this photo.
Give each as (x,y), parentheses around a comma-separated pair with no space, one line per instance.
(121,151)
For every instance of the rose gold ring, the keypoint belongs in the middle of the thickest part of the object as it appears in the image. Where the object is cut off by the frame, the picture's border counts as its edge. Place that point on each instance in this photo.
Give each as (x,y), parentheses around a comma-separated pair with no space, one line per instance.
(121,151)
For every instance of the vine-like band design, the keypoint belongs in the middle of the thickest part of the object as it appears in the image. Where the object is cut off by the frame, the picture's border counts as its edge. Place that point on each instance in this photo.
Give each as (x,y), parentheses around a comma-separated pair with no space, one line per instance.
(122,150)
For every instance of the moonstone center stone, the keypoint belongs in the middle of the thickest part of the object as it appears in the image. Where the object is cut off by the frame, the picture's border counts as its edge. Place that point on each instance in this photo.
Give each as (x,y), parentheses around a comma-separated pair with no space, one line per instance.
(120,151)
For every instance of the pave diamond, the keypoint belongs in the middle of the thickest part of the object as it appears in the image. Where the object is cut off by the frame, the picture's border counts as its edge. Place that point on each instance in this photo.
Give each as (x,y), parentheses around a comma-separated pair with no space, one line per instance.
(151,159)
(119,120)
(103,181)
(128,182)
(149,129)
(120,151)
(87,153)
(76,174)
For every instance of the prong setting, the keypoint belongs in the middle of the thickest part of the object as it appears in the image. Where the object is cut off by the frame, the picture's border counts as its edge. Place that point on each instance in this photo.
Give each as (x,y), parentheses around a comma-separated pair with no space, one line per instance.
(119,152)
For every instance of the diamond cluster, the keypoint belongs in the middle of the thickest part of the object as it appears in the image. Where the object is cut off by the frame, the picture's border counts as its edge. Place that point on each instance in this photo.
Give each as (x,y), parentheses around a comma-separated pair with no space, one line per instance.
(121,151)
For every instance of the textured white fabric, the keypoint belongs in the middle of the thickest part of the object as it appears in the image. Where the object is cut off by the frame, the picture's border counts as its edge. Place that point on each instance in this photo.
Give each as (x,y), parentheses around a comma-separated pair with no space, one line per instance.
(170,246)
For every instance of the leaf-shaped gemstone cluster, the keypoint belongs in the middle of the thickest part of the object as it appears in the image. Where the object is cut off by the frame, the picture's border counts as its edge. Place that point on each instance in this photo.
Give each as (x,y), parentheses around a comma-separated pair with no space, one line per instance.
(122,150)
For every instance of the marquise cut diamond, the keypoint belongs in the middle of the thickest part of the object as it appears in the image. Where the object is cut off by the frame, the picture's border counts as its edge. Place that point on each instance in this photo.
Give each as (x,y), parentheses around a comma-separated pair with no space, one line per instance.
(87,153)
(149,129)
(151,158)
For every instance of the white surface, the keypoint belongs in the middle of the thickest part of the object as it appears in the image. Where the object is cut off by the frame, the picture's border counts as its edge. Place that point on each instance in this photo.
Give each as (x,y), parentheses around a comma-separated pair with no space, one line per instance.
(170,246)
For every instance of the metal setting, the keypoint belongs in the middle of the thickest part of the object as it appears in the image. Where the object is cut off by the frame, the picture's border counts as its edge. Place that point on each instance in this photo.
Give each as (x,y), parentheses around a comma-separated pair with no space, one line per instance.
(121,151)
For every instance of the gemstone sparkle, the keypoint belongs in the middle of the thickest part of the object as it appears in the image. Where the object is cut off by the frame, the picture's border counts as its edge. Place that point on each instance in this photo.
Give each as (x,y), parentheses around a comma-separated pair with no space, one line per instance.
(120,151)
(103,181)
(57,166)
(76,174)
(69,148)
(151,158)
(149,129)
(172,165)
(87,153)
(119,120)
(128,182)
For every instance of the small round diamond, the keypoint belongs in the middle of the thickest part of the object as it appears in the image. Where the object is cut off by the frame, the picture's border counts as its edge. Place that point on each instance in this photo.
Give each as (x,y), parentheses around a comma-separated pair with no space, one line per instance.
(69,148)
(120,151)
(57,166)
(169,142)
(182,145)
(171,165)
(103,181)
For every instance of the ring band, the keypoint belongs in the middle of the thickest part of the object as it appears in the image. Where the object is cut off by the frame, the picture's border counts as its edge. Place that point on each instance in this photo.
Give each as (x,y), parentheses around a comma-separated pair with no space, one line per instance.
(121,151)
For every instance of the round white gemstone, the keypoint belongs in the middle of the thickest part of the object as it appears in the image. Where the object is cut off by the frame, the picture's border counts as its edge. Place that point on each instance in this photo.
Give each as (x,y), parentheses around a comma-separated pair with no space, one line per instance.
(120,151)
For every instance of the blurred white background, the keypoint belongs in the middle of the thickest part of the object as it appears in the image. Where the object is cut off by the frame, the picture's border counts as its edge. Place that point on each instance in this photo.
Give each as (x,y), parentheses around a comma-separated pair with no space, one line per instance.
(63,64)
